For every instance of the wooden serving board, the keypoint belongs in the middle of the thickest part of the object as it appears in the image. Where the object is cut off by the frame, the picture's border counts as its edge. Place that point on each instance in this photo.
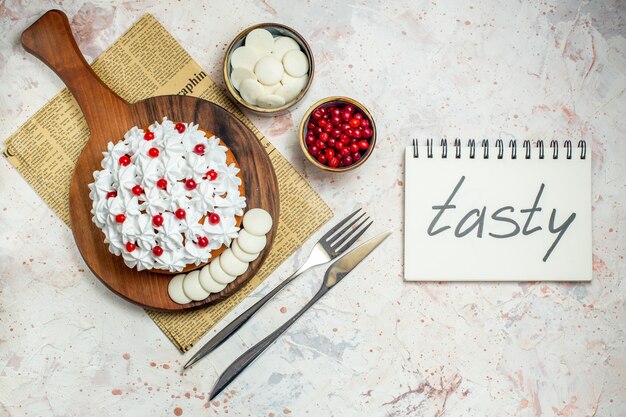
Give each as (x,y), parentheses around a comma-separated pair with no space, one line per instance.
(109,117)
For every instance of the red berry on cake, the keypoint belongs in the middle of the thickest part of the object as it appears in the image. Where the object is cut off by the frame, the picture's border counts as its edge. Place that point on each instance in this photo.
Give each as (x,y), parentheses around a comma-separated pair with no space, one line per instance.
(214,218)
(180,128)
(153,152)
(120,218)
(157,250)
(211,175)
(111,194)
(190,184)
(162,183)
(137,190)
(199,149)
(180,214)
(130,246)
(124,160)
(148,135)
(203,241)
(157,220)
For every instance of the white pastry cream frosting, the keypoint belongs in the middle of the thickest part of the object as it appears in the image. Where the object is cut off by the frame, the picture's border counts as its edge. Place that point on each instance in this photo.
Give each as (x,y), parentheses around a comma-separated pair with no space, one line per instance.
(166,197)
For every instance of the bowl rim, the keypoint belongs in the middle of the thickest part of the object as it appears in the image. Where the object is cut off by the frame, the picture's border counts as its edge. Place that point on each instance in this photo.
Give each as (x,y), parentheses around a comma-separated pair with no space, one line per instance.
(306,117)
(226,67)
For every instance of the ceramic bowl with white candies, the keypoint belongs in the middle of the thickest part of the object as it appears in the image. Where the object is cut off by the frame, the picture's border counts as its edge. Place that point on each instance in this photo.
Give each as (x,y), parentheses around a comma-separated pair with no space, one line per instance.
(268,68)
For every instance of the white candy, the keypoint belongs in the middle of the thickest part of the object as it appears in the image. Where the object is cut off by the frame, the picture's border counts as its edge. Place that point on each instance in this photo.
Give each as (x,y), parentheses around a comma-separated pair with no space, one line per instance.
(249,242)
(261,40)
(271,89)
(257,221)
(240,74)
(207,281)
(231,264)
(270,101)
(244,57)
(288,92)
(282,45)
(175,290)
(269,70)
(250,90)
(241,254)
(218,274)
(192,287)
(296,63)
(299,82)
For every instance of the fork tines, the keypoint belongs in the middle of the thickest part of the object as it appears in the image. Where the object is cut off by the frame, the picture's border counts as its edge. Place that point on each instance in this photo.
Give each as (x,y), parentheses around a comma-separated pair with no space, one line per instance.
(345,233)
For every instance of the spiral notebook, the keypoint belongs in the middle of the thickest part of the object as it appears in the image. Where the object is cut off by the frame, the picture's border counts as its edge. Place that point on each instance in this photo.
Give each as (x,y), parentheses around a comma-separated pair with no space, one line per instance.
(476,211)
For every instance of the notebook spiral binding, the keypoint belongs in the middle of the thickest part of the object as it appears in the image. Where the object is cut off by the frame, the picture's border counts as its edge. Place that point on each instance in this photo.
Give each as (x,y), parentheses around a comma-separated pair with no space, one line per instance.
(512,146)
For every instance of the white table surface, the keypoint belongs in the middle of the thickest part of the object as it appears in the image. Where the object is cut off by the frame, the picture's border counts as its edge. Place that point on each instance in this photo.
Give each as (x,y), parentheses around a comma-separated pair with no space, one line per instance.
(375,346)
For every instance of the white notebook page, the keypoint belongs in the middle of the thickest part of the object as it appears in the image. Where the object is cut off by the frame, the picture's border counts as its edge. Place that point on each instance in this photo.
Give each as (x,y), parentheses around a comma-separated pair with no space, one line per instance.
(496,231)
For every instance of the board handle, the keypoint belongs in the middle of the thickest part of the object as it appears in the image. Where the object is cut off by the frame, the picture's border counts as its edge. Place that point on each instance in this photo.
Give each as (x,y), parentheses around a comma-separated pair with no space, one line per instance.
(50,39)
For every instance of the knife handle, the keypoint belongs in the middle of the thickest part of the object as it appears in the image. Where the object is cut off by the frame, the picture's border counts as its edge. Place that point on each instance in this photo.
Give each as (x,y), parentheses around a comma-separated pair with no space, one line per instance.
(255,351)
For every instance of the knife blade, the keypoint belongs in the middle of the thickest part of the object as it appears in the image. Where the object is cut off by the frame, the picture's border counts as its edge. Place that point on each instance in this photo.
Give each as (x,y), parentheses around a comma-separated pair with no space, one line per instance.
(334,274)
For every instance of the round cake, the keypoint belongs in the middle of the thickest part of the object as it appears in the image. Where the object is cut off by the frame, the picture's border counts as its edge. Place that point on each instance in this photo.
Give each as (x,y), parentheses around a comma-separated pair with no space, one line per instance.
(167,198)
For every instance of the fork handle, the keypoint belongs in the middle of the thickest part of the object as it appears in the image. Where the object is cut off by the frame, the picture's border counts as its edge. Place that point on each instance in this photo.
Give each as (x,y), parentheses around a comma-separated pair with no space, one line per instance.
(236,324)
(255,351)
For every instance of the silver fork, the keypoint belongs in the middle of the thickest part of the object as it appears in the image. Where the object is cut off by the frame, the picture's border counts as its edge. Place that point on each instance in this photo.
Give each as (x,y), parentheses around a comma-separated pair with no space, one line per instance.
(335,242)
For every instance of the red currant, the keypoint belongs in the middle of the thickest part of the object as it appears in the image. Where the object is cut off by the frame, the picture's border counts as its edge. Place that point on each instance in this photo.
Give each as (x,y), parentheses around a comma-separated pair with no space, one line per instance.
(348,109)
(367,132)
(335,112)
(180,128)
(354,148)
(335,133)
(157,220)
(148,135)
(345,116)
(190,184)
(130,246)
(314,150)
(153,152)
(162,183)
(322,123)
(363,145)
(346,140)
(358,116)
(355,122)
(324,137)
(320,144)
(214,218)
(157,250)
(180,213)
(330,153)
(120,218)
(331,143)
(112,194)
(356,156)
(365,123)
(137,190)
(316,115)
(211,175)
(322,110)
(344,152)
(310,140)
(124,160)
(347,160)
(199,149)
(357,133)
(345,127)
(203,241)
(322,158)
(339,146)
(333,163)
(311,125)
(335,120)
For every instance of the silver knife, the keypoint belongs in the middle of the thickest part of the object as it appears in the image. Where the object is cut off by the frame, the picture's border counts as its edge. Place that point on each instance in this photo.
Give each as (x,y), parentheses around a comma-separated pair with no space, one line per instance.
(335,273)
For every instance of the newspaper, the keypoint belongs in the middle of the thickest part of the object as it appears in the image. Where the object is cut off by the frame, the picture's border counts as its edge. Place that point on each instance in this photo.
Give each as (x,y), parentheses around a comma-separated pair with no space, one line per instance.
(147,61)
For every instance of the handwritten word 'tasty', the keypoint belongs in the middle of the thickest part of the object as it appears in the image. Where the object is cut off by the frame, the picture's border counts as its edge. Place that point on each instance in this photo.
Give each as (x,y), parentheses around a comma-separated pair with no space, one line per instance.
(499,215)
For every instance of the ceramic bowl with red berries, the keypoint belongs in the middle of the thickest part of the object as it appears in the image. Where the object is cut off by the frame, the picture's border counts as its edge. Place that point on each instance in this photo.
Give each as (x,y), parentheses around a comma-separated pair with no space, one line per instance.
(337,134)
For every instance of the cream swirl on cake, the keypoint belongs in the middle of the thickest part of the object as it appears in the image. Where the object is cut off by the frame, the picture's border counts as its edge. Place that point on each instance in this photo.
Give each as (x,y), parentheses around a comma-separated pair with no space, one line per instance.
(166,197)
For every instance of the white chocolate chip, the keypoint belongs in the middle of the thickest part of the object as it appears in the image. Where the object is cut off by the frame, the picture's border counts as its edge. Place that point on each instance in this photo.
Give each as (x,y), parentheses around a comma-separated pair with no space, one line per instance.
(207,281)
(192,287)
(241,254)
(296,63)
(218,274)
(284,44)
(244,57)
(261,40)
(257,221)
(250,90)
(231,264)
(239,74)
(270,101)
(288,92)
(299,82)
(175,290)
(250,243)
(269,70)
